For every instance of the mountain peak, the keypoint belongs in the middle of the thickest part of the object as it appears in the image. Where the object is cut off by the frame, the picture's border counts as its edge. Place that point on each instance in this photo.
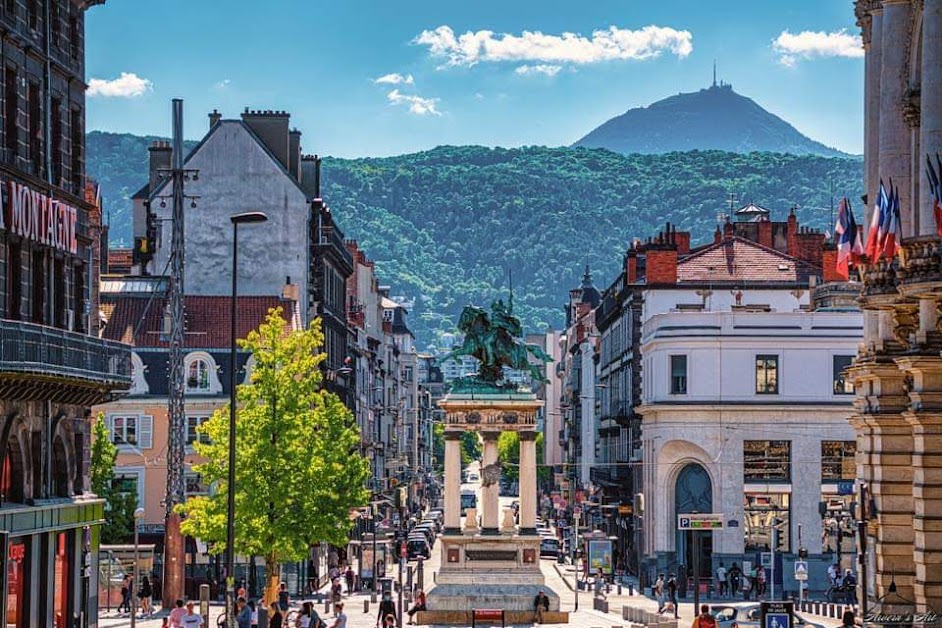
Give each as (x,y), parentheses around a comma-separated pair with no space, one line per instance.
(713,118)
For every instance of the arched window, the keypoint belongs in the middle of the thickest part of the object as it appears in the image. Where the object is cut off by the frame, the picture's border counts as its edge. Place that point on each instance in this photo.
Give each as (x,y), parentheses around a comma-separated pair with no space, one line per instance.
(201,374)
(197,376)
(12,477)
(60,468)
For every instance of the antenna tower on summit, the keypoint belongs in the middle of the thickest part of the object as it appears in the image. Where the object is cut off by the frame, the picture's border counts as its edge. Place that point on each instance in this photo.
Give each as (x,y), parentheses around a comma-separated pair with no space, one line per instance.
(714,72)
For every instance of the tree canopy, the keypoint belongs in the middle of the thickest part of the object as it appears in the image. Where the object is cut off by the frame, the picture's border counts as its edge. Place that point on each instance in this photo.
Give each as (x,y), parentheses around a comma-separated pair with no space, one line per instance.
(120,504)
(298,468)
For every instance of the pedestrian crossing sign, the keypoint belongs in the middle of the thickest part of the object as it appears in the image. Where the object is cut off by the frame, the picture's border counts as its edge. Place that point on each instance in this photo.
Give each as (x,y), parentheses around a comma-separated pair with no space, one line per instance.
(801,570)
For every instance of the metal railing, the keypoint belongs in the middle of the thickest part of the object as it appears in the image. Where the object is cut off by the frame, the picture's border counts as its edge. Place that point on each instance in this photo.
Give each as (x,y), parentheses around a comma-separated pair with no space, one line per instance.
(42,350)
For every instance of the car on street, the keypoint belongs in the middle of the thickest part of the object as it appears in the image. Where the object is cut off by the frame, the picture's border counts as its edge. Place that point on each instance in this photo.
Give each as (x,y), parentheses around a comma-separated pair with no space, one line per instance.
(749,616)
(418,546)
(549,547)
(469,499)
(473,477)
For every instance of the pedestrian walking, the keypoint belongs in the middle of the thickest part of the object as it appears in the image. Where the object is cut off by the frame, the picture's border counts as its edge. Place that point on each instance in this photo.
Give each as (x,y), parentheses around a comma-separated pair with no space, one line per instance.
(705,619)
(721,583)
(284,600)
(735,580)
(276,619)
(244,616)
(351,579)
(599,584)
(127,585)
(145,594)
(176,615)
(672,593)
(192,619)
(659,592)
(760,581)
(386,607)
(341,617)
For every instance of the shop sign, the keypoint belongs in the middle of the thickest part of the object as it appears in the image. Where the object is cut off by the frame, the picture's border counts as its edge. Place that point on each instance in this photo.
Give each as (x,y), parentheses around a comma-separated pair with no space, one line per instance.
(38,218)
(17,552)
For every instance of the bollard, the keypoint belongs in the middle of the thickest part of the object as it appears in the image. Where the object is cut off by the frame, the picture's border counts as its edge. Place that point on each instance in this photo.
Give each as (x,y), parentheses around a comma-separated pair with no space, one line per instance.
(366,606)
(631,589)
(618,588)
(204,603)
(626,613)
(326,606)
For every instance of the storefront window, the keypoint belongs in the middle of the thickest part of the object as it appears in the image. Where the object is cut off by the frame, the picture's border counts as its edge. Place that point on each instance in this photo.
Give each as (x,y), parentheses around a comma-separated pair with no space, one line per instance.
(61,582)
(17,561)
(767,461)
(837,460)
(762,511)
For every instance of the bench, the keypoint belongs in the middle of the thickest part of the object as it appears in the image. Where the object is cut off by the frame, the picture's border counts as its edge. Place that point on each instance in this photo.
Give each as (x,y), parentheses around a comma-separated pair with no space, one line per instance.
(487,614)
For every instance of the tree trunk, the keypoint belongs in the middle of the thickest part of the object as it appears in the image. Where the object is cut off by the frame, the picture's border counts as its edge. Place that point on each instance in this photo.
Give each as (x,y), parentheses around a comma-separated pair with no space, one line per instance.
(272,578)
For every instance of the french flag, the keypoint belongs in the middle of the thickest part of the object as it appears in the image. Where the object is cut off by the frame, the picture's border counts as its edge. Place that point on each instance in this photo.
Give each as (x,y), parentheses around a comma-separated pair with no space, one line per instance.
(893,235)
(877,220)
(849,246)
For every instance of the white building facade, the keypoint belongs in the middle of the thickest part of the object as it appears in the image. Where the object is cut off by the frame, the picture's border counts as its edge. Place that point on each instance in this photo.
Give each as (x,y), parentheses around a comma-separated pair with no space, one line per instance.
(745,413)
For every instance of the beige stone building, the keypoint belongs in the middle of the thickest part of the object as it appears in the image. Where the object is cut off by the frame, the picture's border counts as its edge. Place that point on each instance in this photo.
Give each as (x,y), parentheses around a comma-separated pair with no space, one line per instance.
(898,371)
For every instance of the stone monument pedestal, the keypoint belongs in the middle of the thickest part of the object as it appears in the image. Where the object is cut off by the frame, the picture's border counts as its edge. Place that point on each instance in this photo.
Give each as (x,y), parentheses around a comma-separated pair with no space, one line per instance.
(496,566)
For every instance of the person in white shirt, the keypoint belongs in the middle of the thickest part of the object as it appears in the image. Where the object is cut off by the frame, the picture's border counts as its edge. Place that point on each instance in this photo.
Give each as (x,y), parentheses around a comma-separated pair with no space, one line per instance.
(191,619)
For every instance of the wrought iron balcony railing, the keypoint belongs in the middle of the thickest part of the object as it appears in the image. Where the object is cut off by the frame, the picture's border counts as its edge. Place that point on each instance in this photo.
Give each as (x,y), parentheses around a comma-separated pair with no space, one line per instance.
(30,352)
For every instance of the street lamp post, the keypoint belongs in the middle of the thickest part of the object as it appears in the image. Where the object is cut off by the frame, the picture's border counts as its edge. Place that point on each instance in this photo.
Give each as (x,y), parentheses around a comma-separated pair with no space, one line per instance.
(138,515)
(238,219)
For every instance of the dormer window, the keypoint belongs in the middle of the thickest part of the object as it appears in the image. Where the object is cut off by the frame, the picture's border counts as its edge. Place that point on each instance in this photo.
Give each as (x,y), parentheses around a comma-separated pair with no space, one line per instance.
(197,377)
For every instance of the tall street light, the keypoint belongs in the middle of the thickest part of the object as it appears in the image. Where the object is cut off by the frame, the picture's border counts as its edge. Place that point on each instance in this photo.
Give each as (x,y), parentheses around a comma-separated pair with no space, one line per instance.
(239,219)
(138,515)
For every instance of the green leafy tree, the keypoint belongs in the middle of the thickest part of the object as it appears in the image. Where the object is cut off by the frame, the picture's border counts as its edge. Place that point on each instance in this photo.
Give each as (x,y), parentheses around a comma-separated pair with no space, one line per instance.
(471,448)
(119,504)
(438,445)
(298,468)
(508,456)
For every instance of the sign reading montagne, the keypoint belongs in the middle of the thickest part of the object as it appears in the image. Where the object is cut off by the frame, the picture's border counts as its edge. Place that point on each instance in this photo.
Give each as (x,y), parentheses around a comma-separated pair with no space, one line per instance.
(715,118)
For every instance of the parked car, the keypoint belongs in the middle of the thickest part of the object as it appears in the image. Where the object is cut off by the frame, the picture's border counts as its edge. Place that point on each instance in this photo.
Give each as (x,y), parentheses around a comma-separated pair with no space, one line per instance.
(749,616)
(549,547)
(426,531)
(473,477)
(416,546)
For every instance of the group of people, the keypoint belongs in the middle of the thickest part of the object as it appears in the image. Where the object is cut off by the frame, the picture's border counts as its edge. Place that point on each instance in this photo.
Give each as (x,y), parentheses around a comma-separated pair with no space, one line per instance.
(387,609)
(144,595)
(665,591)
(733,581)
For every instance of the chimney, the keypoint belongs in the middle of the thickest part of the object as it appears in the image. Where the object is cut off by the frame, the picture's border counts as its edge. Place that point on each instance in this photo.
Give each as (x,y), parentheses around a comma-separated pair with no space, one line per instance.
(294,153)
(661,265)
(271,127)
(160,154)
(791,234)
(631,266)
(728,229)
(214,118)
(289,292)
(682,239)
(765,232)
(717,235)
(829,265)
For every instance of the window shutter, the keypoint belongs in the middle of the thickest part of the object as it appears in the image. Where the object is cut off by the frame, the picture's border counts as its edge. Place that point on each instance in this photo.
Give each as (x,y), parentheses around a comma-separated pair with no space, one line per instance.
(145,432)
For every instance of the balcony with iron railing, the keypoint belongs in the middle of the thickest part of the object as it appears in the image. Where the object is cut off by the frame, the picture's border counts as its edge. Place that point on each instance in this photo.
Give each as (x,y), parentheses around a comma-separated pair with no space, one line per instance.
(37,361)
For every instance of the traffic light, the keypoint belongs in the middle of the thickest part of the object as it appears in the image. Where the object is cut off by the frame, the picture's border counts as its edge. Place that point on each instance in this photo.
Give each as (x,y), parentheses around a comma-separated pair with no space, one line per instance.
(780,535)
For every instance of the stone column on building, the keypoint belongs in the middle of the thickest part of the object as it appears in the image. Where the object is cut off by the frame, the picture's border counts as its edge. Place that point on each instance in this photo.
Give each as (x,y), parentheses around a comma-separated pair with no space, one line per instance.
(930,128)
(871,21)
(453,481)
(882,400)
(490,485)
(895,134)
(925,418)
(527,474)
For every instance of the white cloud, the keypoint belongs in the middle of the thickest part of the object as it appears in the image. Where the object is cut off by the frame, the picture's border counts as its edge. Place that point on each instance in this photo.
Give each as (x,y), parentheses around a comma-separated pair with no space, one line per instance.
(395,79)
(542,68)
(793,47)
(478,96)
(535,47)
(128,85)
(417,105)
(223,84)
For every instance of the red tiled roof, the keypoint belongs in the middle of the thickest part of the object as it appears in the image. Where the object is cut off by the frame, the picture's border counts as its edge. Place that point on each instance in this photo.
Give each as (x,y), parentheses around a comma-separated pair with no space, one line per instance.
(120,260)
(740,260)
(207,319)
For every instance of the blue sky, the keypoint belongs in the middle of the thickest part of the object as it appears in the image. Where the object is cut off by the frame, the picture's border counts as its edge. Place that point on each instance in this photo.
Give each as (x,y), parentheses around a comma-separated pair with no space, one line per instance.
(501,87)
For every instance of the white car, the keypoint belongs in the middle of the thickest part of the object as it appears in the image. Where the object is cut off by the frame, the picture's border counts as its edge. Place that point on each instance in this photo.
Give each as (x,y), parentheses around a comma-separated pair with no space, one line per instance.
(473,477)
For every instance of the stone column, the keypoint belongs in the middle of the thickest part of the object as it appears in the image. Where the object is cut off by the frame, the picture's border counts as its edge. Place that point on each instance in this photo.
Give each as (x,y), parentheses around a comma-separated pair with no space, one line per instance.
(926,421)
(872,63)
(930,129)
(892,479)
(895,134)
(453,481)
(490,485)
(527,474)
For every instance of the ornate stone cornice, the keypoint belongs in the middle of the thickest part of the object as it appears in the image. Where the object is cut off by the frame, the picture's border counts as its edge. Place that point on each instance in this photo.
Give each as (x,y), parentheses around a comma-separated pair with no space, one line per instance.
(863,10)
(910,107)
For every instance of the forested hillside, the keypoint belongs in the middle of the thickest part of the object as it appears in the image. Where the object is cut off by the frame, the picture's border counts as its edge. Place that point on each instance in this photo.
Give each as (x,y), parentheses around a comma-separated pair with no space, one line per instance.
(446,226)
